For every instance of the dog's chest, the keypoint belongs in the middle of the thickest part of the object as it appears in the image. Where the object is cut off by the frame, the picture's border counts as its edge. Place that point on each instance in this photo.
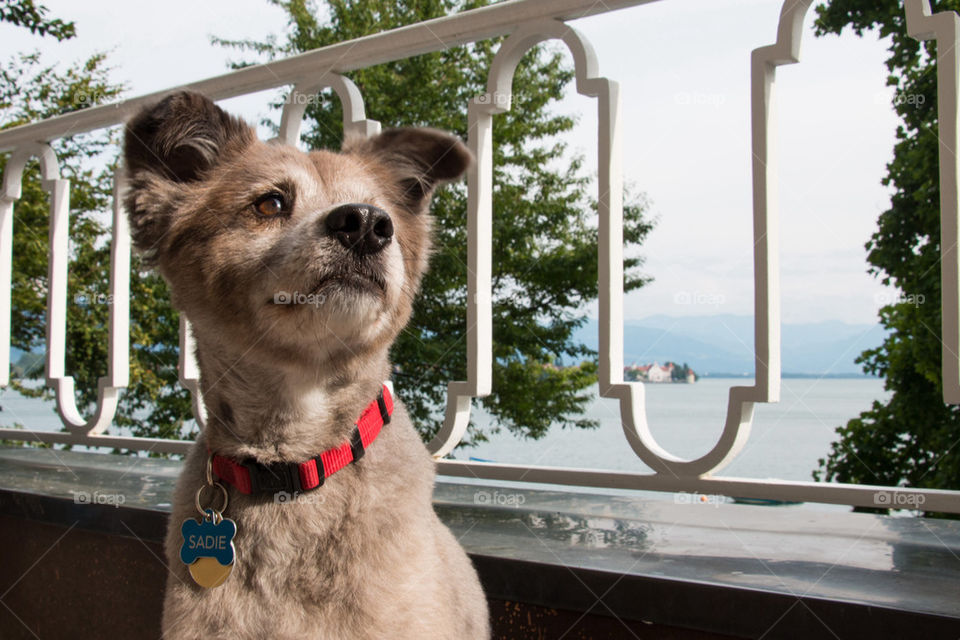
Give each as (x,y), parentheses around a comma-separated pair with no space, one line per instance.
(315,547)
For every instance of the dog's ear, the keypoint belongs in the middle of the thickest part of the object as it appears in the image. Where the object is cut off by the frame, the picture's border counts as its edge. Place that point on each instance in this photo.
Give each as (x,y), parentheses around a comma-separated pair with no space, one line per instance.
(169,145)
(182,136)
(418,159)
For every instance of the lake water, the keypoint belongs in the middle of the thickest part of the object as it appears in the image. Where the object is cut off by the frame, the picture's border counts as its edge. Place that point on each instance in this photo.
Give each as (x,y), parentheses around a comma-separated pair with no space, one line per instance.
(786,441)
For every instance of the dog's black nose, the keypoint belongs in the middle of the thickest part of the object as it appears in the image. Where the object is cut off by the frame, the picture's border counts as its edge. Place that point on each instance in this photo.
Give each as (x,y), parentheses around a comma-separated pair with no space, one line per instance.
(362,228)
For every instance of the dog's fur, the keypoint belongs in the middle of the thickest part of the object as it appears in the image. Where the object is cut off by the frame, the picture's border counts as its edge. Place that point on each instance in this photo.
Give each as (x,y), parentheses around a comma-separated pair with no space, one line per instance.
(363,556)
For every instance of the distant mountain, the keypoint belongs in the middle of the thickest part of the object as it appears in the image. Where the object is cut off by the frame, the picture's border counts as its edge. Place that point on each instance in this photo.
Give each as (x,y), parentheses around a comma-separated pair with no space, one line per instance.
(724,344)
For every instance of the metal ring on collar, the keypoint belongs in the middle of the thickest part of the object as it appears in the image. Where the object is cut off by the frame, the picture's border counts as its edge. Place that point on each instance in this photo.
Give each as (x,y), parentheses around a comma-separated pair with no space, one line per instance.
(217,513)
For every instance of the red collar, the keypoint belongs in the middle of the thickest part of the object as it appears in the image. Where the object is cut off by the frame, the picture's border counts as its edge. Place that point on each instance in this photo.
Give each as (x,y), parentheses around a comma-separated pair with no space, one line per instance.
(250,476)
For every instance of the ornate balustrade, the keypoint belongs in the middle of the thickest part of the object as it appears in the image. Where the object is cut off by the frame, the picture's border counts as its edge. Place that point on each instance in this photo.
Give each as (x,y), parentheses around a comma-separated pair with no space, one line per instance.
(526,23)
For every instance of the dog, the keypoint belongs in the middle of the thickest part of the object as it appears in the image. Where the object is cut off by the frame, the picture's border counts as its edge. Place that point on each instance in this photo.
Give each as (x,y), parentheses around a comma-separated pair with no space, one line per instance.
(297,271)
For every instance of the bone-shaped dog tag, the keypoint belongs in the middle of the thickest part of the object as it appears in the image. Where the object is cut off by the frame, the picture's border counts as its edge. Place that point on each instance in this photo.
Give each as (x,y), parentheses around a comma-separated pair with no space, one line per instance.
(208,549)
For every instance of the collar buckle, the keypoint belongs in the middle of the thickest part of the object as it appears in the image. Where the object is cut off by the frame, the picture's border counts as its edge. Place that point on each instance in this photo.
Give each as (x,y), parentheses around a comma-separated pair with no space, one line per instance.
(273,478)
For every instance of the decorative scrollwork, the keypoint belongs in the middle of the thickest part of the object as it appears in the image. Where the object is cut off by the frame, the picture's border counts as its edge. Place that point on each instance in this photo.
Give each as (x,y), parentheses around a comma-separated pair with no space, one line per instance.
(117,376)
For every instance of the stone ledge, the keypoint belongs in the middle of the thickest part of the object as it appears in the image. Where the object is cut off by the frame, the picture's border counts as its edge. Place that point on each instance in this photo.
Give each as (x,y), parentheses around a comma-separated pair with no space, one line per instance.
(733,570)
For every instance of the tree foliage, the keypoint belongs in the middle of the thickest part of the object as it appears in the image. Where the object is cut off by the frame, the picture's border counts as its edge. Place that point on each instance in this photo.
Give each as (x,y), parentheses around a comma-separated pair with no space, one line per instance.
(27,14)
(544,243)
(913,439)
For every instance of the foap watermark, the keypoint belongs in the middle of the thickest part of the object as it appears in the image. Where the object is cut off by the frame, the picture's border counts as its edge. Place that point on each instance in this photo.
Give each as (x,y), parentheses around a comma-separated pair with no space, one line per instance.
(709,298)
(899,499)
(88,98)
(85,497)
(502,100)
(700,99)
(308,99)
(709,499)
(496,498)
(90,298)
(286,297)
(914,299)
(900,98)
(299,497)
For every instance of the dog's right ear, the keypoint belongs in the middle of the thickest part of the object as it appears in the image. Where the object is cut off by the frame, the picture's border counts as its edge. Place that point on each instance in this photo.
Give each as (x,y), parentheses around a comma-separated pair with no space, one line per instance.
(418,159)
(166,147)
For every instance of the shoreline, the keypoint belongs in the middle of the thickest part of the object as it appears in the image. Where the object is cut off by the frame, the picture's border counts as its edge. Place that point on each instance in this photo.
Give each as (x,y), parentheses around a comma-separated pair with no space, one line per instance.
(793,376)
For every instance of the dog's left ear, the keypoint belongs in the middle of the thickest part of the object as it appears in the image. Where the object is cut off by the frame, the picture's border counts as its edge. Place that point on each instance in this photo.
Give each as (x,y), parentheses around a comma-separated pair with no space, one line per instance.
(418,158)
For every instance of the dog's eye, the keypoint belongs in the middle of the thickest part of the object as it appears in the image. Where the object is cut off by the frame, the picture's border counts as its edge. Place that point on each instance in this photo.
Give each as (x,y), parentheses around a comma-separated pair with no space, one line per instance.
(270,205)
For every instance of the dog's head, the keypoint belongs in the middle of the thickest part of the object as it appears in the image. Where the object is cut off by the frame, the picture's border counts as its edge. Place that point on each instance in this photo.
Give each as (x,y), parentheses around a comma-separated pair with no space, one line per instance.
(304,253)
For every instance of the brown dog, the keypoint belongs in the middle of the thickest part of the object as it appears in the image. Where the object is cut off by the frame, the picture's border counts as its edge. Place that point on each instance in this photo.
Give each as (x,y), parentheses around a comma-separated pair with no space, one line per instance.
(298,270)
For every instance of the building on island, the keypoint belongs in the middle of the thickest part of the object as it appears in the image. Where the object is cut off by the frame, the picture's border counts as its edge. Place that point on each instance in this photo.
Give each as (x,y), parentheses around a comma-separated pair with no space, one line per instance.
(670,372)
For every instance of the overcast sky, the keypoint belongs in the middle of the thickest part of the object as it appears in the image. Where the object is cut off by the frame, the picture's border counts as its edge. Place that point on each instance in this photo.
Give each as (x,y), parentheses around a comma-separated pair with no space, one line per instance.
(684,70)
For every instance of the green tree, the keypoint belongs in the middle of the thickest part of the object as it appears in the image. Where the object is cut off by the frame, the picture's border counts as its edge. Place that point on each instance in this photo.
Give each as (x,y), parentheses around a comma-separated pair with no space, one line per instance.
(912,439)
(679,372)
(545,258)
(153,405)
(27,14)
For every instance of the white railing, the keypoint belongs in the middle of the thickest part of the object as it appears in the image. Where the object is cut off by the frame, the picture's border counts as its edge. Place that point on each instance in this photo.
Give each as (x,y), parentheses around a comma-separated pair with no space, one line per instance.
(526,23)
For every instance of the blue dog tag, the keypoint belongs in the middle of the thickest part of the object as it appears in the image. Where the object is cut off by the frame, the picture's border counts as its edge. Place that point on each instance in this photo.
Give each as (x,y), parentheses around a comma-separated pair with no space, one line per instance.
(208,548)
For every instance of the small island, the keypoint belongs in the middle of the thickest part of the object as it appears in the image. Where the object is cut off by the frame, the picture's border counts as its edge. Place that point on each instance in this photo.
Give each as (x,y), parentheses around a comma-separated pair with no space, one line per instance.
(669,372)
